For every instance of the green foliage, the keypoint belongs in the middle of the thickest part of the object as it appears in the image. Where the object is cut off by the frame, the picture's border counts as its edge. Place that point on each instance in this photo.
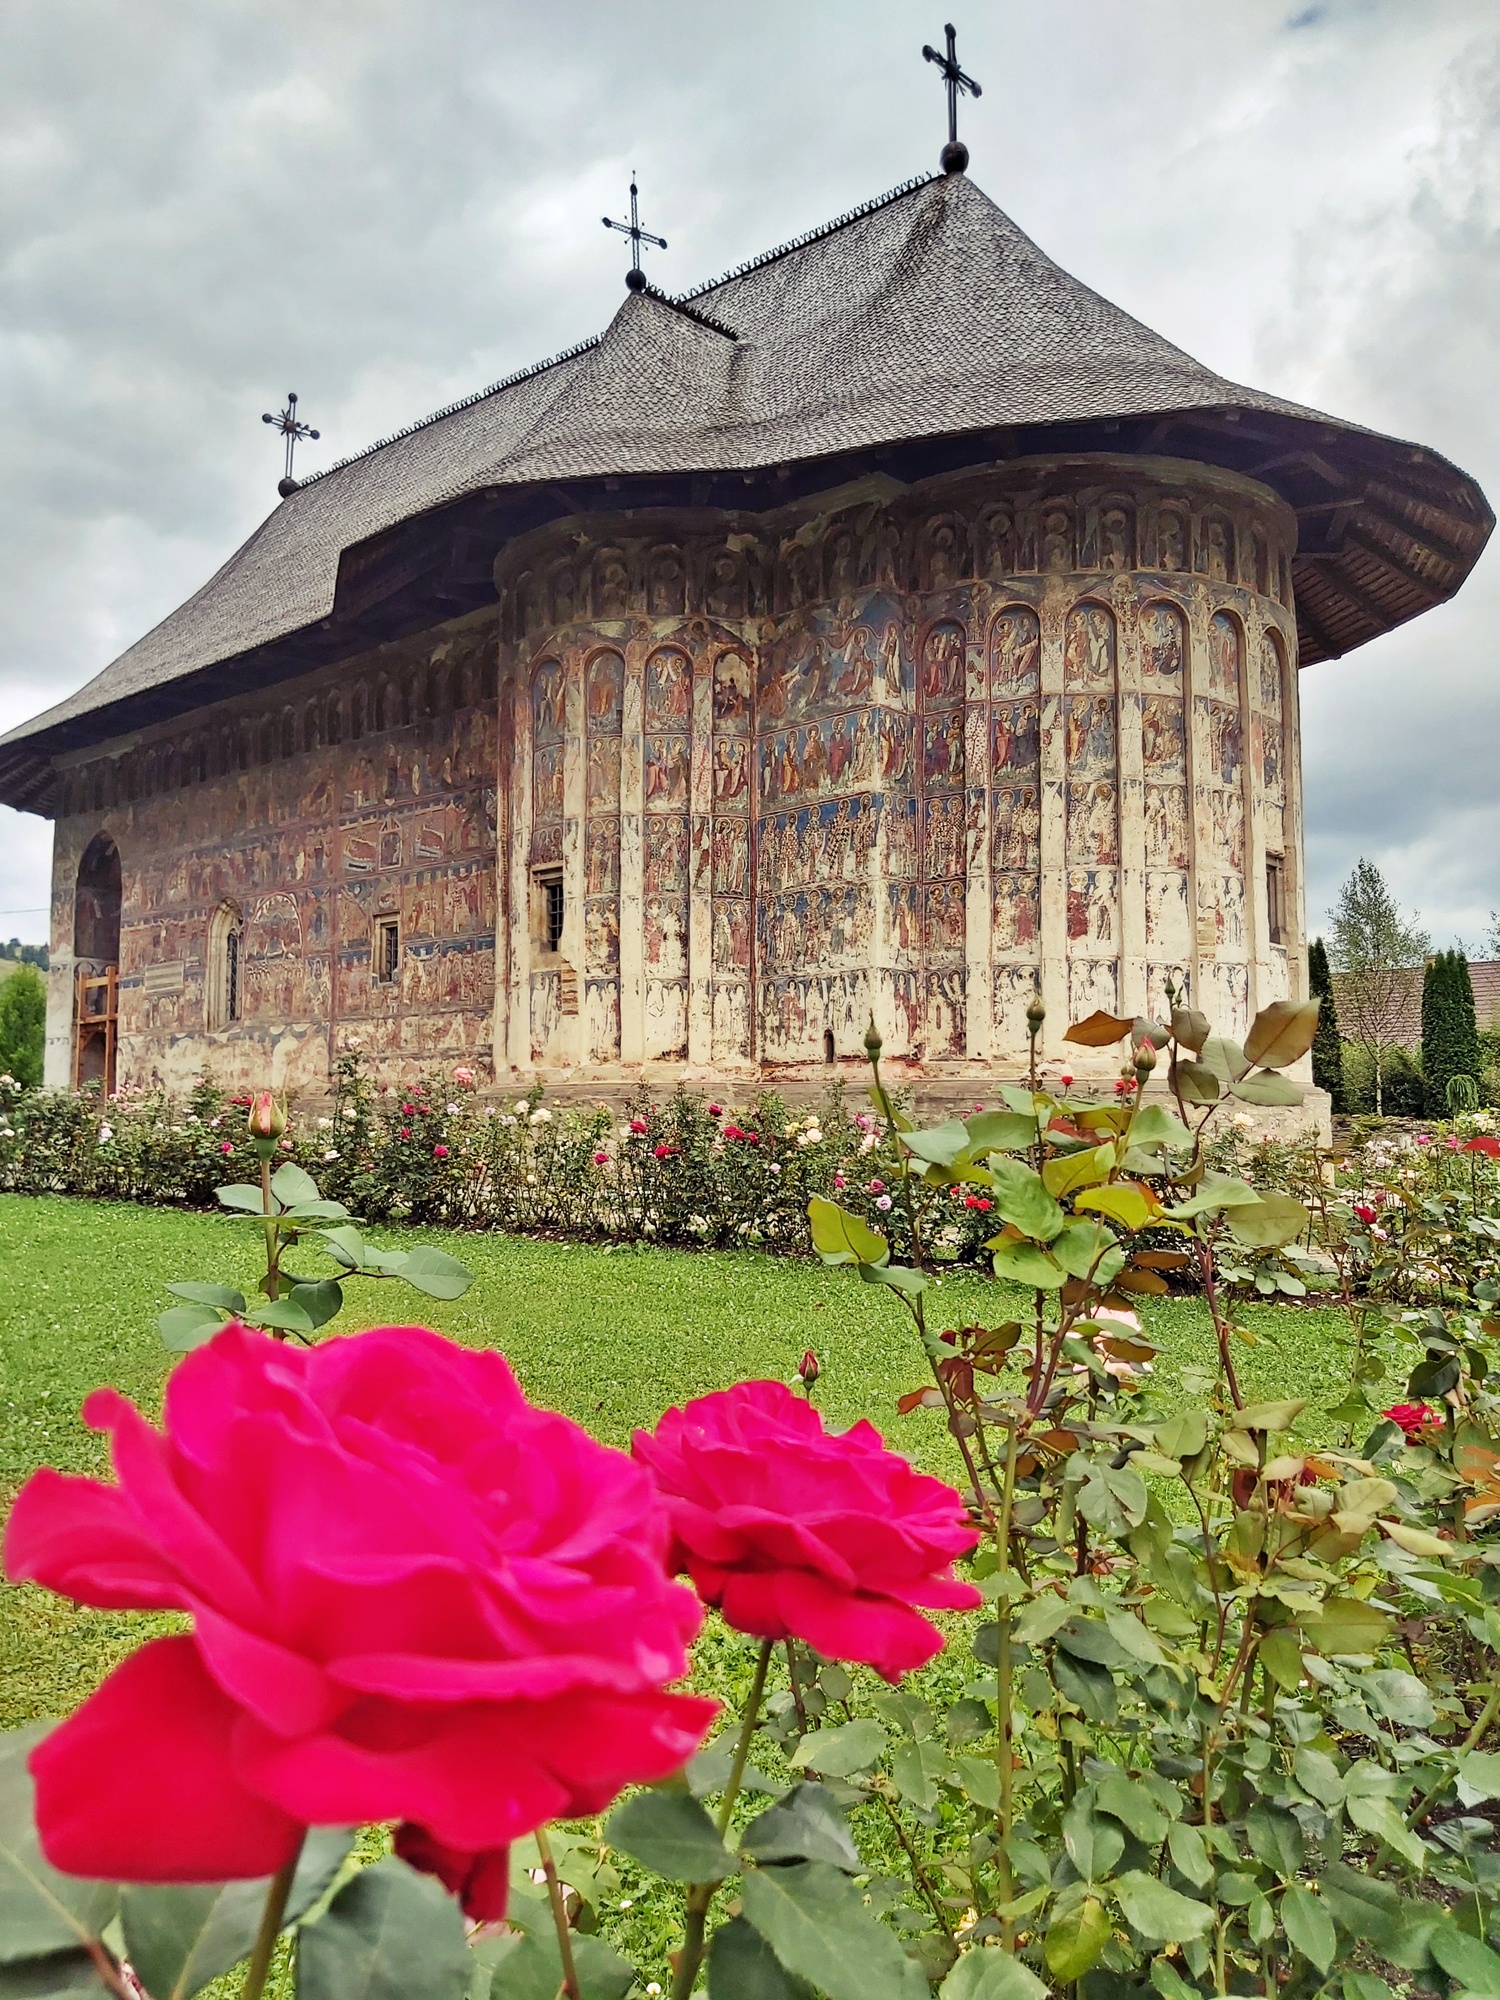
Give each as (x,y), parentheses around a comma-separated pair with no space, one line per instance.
(1403,1090)
(1450,1038)
(1328,1047)
(288,1209)
(23,1026)
(1376,947)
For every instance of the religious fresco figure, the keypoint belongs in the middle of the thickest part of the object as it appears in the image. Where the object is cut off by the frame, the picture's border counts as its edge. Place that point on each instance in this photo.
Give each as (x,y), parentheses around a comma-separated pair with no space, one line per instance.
(1166,816)
(1057,535)
(1015,829)
(669,690)
(1017,912)
(666,583)
(611,584)
(546,783)
(1163,642)
(666,772)
(855,674)
(548,695)
(841,560)
(1171,539)
(943,662)
(1016,739)
(602,779)
(666,869)
(1225,654)
(1089,648)
(1163,738)
(731,767)
(1015,652)
(725,593)
(732,673)
(943,748)
(604,697)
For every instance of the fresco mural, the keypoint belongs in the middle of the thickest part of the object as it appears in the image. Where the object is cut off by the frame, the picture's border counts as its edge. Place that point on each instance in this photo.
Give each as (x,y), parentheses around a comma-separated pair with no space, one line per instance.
(920,754)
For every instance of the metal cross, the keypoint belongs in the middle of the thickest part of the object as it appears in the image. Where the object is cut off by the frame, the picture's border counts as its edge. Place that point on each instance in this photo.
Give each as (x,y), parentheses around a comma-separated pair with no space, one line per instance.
(635,277)
(292,428)
(955,155)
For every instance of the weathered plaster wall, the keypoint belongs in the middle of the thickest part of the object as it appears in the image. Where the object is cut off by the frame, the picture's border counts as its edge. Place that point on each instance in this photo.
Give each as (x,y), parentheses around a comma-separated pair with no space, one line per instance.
(329,802)
(909,751)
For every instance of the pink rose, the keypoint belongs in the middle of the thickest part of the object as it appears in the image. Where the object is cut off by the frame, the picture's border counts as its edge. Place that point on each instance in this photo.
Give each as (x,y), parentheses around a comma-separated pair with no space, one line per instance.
(414,1597)
(663,1152)
(637,1124)
(404,1133)
(440,1152)
(226,1146)
(796,1532)
(601,1159)
(463,1076)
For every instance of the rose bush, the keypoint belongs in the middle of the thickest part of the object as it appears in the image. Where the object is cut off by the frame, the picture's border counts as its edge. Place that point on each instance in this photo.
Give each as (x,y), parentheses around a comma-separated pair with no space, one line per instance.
(796,1532)
(415,1597)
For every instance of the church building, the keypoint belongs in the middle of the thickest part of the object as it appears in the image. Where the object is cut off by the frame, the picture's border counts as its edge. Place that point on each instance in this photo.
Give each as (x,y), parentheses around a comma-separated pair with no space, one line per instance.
(892,627)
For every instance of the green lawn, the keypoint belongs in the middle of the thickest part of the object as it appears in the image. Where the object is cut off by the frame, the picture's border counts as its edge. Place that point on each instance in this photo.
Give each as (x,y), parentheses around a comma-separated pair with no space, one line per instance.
(610,1336)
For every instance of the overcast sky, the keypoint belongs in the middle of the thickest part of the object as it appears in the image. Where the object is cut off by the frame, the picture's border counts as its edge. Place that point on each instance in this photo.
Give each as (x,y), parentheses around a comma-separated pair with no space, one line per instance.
(385,204)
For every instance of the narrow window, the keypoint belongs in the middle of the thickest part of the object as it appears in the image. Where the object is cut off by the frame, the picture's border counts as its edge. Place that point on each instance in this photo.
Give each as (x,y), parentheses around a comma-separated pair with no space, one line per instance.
(224,987)
(828,1049)
(550,908)
(387,949)
(1276,897)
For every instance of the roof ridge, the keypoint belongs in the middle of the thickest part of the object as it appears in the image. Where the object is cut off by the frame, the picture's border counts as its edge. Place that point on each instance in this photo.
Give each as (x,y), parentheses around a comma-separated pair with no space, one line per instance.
(467,402)
(689,312)
(678,300)
(810,235)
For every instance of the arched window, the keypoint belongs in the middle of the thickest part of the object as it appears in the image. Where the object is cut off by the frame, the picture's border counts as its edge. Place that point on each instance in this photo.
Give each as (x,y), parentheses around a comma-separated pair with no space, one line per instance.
(224,992)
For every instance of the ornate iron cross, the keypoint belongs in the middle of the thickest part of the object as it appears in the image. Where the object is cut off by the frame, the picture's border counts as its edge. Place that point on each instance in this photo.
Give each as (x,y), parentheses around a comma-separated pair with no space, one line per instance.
(955,155)
(635,277)
(292,429)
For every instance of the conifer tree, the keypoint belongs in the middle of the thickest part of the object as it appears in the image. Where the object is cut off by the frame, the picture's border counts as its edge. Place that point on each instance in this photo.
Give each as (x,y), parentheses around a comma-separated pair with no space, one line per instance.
(23,1024)
(1328,1044)
(1450,1037)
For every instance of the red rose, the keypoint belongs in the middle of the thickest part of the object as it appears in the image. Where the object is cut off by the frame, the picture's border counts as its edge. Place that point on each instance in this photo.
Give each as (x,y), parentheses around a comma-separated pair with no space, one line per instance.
(414,1597)
(1364,1213)
(637,1124)
(440,1152)
(1484,1142)
(1413,1419)
(663,1152)
(713,1110)
(796,1532)
(404,1133)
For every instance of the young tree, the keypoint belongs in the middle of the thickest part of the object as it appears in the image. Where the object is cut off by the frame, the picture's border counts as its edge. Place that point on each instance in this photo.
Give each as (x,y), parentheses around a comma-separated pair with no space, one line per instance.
(1450,1036)
(1375,947)
(23,1020)
(1328,1043)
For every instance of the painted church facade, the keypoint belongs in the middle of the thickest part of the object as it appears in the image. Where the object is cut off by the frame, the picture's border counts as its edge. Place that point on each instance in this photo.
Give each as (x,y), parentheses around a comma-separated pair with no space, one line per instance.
(704,770)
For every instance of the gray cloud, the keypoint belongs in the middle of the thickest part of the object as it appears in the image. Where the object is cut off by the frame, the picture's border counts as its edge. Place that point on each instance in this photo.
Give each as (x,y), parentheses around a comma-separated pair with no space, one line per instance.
(385,204)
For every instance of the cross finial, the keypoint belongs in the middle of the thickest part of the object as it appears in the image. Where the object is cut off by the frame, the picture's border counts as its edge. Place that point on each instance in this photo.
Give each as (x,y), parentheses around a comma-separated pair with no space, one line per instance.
(635,277)
(292,428)
(955,155)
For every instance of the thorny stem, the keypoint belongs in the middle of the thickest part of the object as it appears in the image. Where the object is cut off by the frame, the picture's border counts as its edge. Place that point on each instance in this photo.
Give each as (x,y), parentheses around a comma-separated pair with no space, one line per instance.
(108,1971)
(559,1916)
(796,1687)
(270,1929)
(918,1867)
(1221,1325)
(273,1249)
(1471,1742)
(701,1894)
(1004,1755)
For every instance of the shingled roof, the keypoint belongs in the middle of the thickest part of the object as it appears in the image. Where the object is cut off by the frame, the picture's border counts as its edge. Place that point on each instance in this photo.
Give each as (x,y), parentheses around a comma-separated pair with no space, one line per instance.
(926,316)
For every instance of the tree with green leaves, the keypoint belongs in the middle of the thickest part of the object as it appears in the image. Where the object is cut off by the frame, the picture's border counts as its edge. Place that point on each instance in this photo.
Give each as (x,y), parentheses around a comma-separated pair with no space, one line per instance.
(23,1025)
(1376,948)
(1450,1035)
(1328,1043)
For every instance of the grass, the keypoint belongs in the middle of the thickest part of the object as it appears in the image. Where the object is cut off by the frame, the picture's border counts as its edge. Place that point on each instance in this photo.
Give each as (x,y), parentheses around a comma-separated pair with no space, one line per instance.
(611,1336)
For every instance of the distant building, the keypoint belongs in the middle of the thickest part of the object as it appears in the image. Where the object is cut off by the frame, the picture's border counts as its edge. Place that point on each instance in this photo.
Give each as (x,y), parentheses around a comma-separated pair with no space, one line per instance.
(893,626)
(1407,1021)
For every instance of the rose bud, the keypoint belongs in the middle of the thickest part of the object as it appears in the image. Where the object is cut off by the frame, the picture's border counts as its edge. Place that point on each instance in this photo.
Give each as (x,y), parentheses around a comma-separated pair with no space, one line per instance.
(808,1370)
(267,1121)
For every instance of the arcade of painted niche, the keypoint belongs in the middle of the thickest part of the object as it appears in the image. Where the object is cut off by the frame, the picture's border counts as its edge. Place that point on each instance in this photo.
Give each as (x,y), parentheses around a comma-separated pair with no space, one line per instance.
(892,628)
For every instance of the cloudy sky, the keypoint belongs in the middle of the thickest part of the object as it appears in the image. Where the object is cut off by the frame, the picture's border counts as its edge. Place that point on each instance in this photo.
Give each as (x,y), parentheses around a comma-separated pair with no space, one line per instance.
(385,204)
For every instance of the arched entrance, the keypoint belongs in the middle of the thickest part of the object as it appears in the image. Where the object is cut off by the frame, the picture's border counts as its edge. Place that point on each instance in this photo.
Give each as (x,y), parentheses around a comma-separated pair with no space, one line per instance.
(96,964)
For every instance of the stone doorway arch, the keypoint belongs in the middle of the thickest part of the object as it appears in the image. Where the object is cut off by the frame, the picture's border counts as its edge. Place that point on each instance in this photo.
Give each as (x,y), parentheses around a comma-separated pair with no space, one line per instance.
(96,965)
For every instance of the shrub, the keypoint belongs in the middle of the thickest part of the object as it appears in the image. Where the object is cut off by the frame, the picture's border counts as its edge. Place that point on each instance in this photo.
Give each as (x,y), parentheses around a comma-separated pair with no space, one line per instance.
(23,1025)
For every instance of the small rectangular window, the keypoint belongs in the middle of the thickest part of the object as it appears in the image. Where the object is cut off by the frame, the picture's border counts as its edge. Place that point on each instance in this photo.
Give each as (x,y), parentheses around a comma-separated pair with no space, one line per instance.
(550,908)
(387,949)
(1276,897)
(232,976)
